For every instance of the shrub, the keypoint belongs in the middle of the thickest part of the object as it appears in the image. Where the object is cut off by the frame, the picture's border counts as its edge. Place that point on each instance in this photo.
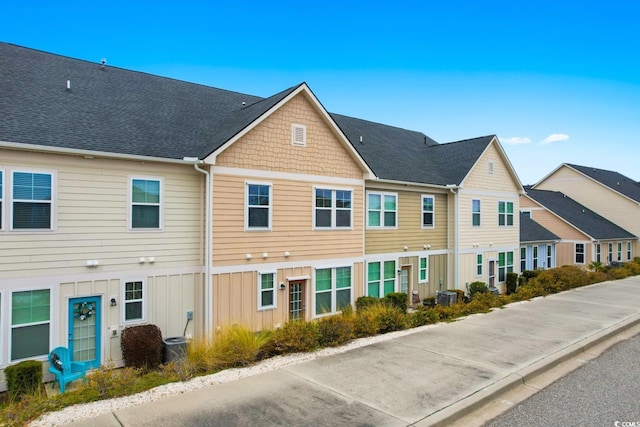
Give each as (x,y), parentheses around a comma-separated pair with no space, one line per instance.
(296,336)
(239,346)
(484,302)
(365,323)
(562,278)
(512,282)
(107,382)
(521,281)
(429,301)
(598,276)
(530,274)
(477,288)
(363,302)
(398,300)
(334,331)
(24,378)
(423,316)
(142,346)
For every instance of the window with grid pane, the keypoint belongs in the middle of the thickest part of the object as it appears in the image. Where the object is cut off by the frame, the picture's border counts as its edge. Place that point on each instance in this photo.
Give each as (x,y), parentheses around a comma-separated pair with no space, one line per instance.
(579,253)
(267,291)
(505,265)
(619,251)
(332,289)
(628,251)
(428,210)
(478,264)
(32,198)
(145,203)
(382,210)
(133,301)
(550,257)
(30,323)
(475,213)
(332,208)
(258,206)
(423,270)
(505,213)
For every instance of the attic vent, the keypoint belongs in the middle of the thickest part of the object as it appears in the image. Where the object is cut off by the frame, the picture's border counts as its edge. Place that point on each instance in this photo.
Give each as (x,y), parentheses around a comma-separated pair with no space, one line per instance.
(299,135)
(490,168)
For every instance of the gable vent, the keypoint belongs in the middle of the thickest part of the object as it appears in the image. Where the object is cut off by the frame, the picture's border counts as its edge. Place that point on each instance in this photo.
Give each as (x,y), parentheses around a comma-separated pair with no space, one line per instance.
(299,135)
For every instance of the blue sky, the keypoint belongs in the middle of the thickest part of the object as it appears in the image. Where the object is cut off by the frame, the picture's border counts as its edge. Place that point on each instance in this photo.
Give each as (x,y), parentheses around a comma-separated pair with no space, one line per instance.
(557,81)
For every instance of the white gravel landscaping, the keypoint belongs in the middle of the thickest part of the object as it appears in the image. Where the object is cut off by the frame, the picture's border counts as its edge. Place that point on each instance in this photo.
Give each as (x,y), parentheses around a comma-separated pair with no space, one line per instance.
(94,409)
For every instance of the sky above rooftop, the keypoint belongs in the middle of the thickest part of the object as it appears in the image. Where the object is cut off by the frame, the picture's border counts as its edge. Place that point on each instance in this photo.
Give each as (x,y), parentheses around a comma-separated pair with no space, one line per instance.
(557,81)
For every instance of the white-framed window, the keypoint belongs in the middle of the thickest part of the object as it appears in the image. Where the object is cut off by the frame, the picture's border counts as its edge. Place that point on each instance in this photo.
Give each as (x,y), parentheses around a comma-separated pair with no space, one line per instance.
(475,212)
(382,210)
(32,201)
(610,255)
(526,214)
(428,211)
(298,135)
(258,206)
(332,209)
(423,270)
(479,264)
(598,253)
(505,214)
(505,265)
(133,297)
(523,259)
(629,251)
(332,290)
(549,256)
(381,278)
(579,253)
(619,251)
(30,323)
(535,257)
(146,207)
(267,296)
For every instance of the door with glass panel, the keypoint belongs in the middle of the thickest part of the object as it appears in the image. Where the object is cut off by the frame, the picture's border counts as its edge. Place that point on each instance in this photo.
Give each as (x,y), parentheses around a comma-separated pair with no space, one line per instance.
(405,282)
(296,300)
(84,330)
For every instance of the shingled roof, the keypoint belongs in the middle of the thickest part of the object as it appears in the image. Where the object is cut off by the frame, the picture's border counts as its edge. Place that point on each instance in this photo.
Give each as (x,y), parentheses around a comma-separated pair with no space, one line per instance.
(579,216)
(614,180)
(531,231)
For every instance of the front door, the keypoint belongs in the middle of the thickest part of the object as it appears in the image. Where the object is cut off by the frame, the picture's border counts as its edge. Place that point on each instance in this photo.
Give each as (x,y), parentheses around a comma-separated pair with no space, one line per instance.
(405,281)
(492,274)
(296,300)
(84,330)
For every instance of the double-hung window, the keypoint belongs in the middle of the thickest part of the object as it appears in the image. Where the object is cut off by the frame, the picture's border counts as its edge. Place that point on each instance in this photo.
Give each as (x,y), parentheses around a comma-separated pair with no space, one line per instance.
(333,208)
(382,210)
(134,301)
(598,253)
(619,251)
(505,265)
(258,206)
(428,211)
(145,203)
(610,256)
(550,256)
(628,251)
(479,265)
(30,323)
(505,214)
(475,213)
(579,253)
(332,290)
(266,291)
(535,257)
(523,259)
(423,270)
(381,278)
(32,198)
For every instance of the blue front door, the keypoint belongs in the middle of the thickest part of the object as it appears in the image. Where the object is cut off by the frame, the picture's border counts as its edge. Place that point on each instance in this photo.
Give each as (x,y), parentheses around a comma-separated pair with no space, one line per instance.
(84,330)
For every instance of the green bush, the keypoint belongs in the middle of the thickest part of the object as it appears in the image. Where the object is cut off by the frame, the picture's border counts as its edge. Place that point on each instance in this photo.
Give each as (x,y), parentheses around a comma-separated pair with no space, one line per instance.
(562,278)
(364,302)
(521,281)
(477,288)
(334,331)
(398,300)
(429,301)
(142,347)
(512,282)
(24,378)
(423,316)
(294,337)
(530,274)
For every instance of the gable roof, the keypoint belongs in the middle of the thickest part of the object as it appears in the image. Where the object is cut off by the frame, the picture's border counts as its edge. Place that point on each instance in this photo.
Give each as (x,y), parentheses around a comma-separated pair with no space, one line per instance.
(614,180)
(581,217)
(531,231)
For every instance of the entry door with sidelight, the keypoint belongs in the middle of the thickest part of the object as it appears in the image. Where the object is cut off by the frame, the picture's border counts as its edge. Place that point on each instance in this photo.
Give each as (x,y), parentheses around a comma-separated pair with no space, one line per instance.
(84,330)
(296,299)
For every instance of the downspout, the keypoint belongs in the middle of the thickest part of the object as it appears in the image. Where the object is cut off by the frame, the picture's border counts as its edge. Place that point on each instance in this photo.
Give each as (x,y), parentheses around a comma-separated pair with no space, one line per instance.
(208,295)
(456,236)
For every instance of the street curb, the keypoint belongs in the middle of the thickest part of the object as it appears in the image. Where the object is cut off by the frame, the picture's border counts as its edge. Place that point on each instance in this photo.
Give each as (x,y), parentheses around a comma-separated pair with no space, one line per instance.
(449,415)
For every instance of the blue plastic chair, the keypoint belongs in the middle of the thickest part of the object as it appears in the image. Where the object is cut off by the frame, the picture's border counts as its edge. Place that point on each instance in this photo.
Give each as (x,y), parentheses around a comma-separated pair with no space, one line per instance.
(65,370)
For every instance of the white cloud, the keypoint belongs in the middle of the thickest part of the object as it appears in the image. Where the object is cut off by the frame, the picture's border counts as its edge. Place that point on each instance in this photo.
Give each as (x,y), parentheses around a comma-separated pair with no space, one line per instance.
(555,137)
(516,140)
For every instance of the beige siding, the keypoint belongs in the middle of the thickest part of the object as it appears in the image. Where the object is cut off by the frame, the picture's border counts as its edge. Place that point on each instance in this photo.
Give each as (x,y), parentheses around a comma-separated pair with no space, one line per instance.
(500,180)
(437,271)
(489,233)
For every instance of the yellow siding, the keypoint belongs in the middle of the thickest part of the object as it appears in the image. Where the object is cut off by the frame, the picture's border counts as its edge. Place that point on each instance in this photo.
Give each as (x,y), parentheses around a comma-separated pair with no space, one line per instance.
(500,180)
(489,233)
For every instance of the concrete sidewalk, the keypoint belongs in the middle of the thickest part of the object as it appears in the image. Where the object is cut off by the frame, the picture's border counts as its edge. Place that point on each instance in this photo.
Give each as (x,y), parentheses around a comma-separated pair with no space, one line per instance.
(431,377)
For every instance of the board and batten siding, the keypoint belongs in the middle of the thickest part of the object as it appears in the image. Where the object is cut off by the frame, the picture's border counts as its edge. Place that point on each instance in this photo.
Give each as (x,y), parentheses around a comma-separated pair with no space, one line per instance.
(91,209)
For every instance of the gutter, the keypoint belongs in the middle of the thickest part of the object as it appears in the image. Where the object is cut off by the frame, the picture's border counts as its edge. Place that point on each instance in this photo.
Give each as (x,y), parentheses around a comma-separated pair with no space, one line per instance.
(456,235)
(415,184)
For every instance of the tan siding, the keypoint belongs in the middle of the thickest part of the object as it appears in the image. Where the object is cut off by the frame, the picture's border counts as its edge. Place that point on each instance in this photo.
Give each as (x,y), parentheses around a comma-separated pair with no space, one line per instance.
(501,179)
(489,231)
(268,146)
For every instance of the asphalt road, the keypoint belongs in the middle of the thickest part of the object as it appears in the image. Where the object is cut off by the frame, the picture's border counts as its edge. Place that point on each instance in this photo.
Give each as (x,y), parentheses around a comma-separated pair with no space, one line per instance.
(603,392)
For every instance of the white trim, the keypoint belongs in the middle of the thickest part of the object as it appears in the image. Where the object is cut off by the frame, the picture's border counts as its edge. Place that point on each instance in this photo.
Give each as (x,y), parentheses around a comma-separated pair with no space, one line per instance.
(494,248)
(506,214)
(298,135)
(333,209)
(481,255)
(420,258)
(320,263)
(246,206)
(433,211)
(381,278)
(145,297)
(271,175)
(53,202)
(297,278)
(333,291)
(479,213)
(274,275)
(382,195)
(130,203)
(10,326)
(575,253)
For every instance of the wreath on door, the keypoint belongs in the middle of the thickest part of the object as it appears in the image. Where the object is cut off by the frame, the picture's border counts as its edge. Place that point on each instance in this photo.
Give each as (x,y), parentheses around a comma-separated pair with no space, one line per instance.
(85,310)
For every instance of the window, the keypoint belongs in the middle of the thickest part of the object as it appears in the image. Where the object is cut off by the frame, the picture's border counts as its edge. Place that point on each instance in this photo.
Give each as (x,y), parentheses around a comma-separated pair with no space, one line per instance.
(535,257)
(32,199)
(550,256)
(505,213)
(30,323)
(628,251)
(332,289)
(579,253)
(610,258)
(423,270)
(479,265)
(133,301)
(299,135)
(332,208)
(381,210)
(526,214)
(475,213)
(505,265)
(619,251)
(381,278)
(266,291)
(598,253)
(258,213)
(523,259)
(428,211)
(145,203)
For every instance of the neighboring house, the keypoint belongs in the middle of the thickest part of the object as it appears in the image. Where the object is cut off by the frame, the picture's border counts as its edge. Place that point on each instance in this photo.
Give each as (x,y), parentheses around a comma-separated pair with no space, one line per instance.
(585,235)
(610,194)
(537,245)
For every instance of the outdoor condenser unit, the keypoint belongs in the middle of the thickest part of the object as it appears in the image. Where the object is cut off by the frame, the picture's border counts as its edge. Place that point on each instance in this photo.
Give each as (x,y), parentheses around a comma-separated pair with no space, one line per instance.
(446,298)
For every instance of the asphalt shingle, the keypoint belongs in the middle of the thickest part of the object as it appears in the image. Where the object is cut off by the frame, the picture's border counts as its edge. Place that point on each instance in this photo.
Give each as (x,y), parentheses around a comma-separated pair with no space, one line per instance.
(531,231)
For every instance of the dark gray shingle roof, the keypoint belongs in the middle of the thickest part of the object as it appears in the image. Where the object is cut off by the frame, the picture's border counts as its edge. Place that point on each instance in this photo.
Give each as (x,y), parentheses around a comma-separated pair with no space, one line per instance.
(613,180)
(578,215)
(531,231)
